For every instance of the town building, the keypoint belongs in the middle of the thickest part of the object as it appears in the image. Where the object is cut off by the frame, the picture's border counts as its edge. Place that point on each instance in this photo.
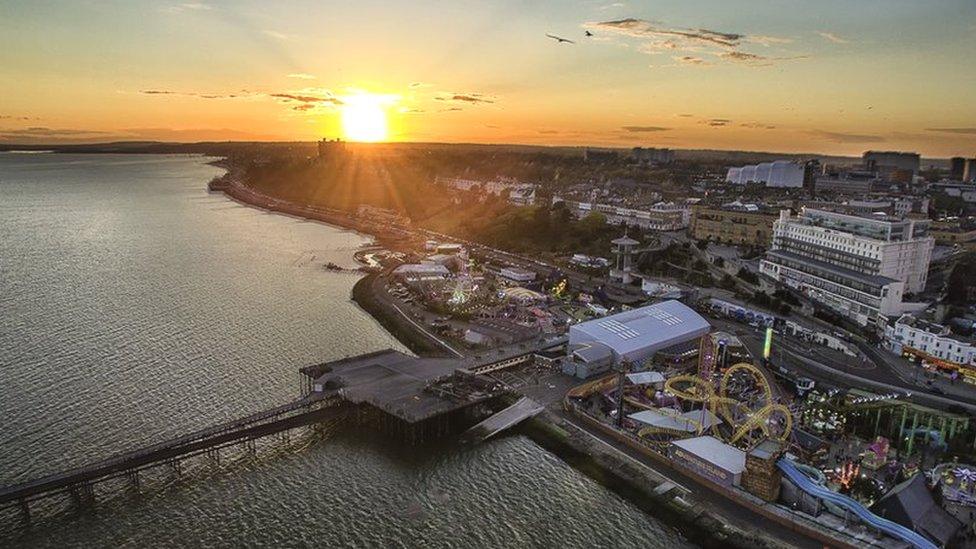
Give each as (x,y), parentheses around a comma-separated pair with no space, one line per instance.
(860,267)
(969,171)
(663,216)
(516,275)
(633,336)
(850,183)
(957,168)
(779,173)
(953,232)
(652,155)
(881,160)
(519,193)
(899,206)
(331,148)
(932,344)
(381,216)
(733,223)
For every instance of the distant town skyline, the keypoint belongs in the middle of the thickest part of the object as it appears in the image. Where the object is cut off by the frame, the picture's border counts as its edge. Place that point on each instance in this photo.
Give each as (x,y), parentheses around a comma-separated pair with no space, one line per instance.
(829,77)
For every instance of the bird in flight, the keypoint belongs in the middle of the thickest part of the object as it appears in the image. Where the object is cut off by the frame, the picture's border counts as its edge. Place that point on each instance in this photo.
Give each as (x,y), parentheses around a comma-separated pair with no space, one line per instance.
(587,33)
(559,38)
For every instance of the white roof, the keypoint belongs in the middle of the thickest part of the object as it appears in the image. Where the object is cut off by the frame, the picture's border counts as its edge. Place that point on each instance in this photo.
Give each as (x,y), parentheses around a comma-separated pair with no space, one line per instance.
(715,452)
(643,330)
(645,378)
(688,421)
(422,268)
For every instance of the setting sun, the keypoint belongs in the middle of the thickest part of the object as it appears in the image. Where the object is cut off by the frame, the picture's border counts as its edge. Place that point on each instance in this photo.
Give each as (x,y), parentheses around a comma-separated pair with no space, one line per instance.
(364,117)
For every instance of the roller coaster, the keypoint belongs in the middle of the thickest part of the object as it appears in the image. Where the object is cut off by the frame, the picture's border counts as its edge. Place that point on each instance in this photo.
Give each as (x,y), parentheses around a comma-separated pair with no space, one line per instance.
(773,420)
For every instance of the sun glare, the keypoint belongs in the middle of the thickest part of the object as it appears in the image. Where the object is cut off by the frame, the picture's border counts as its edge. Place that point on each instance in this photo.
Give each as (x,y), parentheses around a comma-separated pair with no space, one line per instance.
(364,117)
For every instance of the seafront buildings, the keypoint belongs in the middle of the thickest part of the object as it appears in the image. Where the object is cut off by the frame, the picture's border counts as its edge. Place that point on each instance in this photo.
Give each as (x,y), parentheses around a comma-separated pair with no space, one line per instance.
(860,267)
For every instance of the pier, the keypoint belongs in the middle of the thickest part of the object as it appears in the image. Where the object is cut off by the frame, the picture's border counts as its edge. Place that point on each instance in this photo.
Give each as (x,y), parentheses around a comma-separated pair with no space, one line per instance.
(413,399)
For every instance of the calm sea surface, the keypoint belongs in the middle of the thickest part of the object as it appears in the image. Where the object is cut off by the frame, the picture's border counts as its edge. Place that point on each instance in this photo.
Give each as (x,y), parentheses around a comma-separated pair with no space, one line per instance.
(135,306)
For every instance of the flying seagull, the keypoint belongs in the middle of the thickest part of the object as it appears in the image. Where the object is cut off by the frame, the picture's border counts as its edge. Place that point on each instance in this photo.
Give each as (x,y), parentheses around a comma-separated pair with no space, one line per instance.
(587,33)
(559,38)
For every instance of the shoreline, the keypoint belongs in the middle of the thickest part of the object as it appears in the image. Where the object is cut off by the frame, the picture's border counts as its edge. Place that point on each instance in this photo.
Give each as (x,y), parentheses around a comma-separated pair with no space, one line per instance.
(685,512)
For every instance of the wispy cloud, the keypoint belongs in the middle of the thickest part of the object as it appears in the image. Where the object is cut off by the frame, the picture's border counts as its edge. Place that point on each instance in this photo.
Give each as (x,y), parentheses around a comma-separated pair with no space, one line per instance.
(196,94)
(451,109)
(692,43)
(644,129)
(51,133)
(465,97)
(276,35)
(18,118)
(952,130)
(842,137)
(302,76)
(187,7)
(415,85)
(831,37)
(717,122)
(757,125)
(691,60)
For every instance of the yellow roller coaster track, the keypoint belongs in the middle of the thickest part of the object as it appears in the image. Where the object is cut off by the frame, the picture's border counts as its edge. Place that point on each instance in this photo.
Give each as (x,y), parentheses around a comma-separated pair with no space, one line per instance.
(695,389)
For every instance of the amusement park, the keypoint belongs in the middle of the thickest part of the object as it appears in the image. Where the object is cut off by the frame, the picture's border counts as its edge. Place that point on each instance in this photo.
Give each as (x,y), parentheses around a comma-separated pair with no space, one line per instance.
(857,468)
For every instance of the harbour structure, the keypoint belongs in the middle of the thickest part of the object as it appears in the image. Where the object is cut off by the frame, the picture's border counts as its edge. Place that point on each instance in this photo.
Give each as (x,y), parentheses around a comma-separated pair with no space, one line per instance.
(859,267)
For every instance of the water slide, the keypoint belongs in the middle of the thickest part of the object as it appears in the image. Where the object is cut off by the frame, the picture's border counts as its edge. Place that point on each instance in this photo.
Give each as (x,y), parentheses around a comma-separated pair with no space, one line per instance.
(893,529)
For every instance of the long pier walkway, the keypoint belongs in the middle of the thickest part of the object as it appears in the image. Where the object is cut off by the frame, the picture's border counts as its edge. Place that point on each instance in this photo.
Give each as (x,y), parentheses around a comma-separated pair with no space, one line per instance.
(78,482)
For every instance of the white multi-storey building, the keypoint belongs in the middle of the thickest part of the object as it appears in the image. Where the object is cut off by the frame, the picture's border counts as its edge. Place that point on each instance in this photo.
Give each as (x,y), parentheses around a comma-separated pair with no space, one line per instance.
(858,266)
(520,194)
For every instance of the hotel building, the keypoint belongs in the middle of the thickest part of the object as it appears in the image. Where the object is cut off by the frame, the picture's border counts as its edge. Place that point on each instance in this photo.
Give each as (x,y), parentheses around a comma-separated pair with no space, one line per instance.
(860,267)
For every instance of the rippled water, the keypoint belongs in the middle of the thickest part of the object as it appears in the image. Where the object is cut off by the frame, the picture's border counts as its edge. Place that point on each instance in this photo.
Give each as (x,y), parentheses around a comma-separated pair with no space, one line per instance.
(136,306)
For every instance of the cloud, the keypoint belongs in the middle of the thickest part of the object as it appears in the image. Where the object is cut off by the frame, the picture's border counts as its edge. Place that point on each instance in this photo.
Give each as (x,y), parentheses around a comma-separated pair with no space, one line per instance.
(465,98)
(53,134)
(410,110)
(415,85)
(451,109)
(276,35)
(195,94)
(768,40)
(840,137)
(717,122)
(21,118)
(952,130)
(656,37)
(644,129)
(548,132)
(640,28)
(187,7)
(691,60)
(831,37)
(312,97)
(757,125)
(684,115)
(302,76)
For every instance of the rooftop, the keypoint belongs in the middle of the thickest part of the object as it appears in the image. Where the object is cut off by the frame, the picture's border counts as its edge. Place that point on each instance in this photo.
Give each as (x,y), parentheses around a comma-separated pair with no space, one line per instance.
(653,327)
(715,452)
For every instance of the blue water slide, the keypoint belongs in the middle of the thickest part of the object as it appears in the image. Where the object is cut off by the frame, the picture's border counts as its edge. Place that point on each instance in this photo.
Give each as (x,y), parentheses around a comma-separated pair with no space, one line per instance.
(893,529)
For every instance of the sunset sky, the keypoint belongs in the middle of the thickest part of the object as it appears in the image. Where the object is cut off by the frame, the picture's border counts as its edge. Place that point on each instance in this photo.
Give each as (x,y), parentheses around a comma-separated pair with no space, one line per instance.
(835,77)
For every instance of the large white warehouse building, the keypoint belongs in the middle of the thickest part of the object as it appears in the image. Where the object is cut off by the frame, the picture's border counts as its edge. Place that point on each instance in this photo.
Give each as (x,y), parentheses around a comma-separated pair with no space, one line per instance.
(634,336)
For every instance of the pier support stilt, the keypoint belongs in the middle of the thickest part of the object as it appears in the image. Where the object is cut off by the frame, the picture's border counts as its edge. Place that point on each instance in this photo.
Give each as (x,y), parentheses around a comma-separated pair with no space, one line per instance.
(134,478)
(177,467)
(25,515)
